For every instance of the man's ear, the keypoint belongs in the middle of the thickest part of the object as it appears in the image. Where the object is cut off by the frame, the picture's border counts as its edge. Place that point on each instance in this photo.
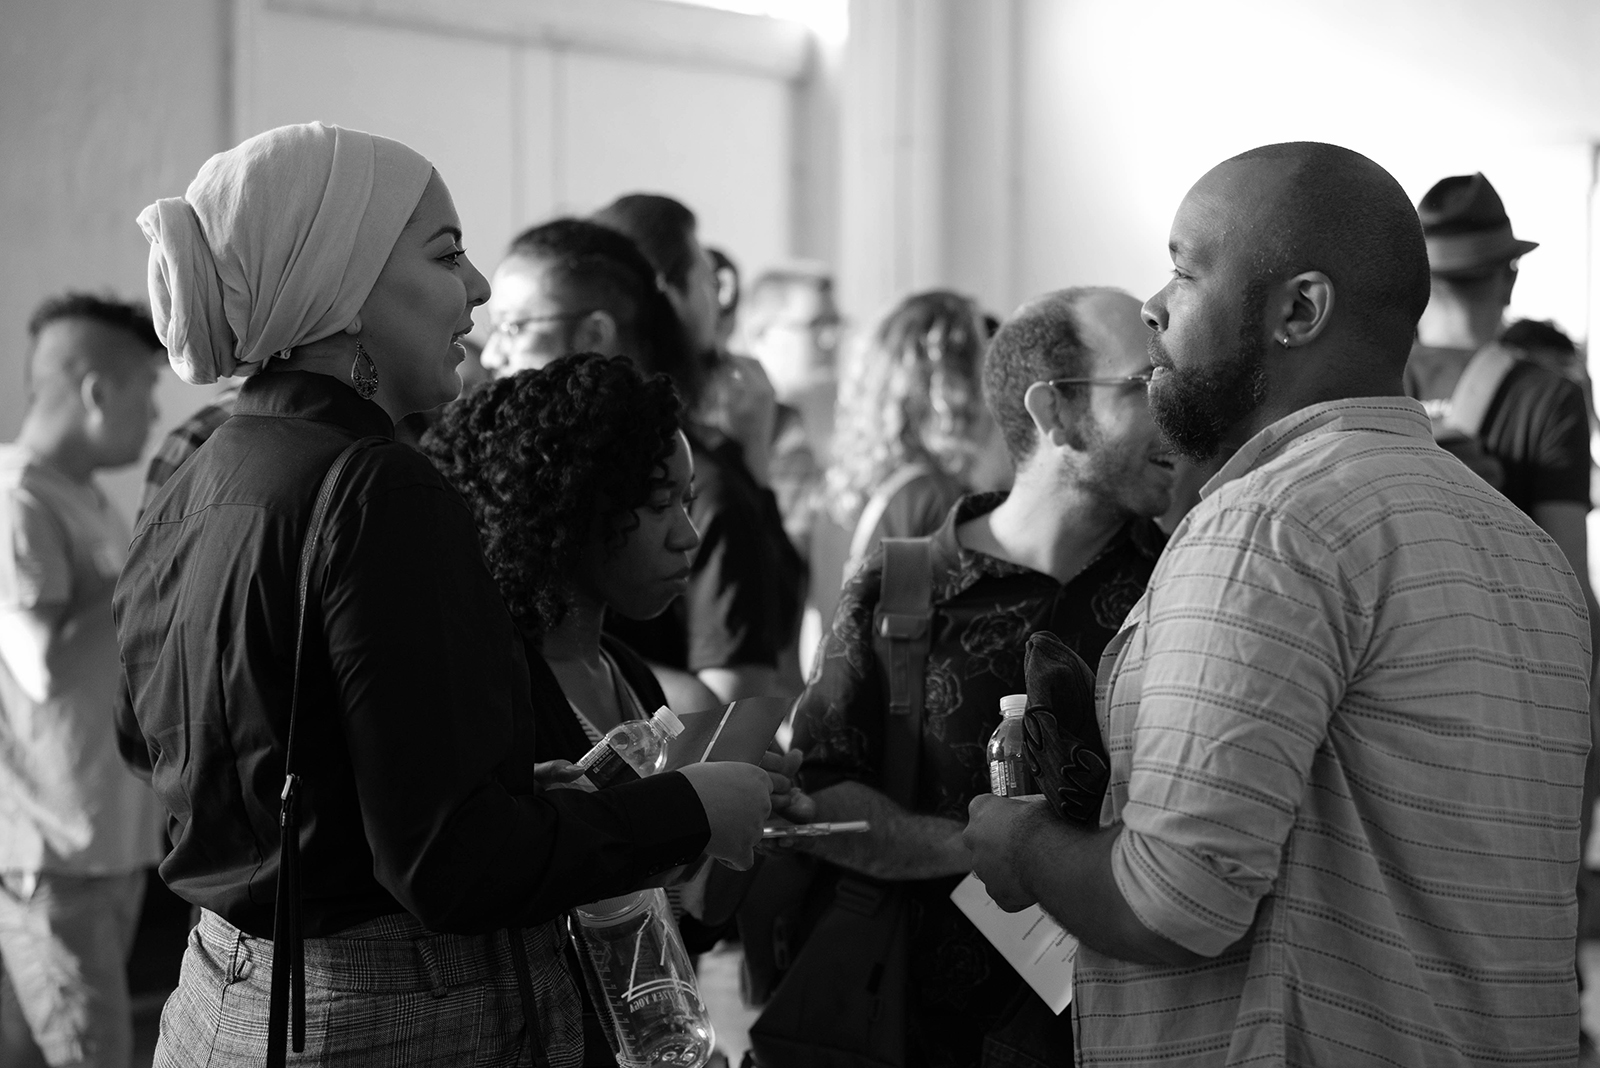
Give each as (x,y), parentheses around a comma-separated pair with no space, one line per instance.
(92,392)
(1304,305)
(1043,404)
(597,332)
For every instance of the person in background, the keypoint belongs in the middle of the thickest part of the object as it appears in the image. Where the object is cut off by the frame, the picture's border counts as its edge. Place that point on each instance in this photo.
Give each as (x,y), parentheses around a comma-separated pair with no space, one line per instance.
(790,324)
(911,434)
(1342,819)
(431,844)
(741,612)
(570,285)
(725,276)
(1067,550)
(1547,345)
(78,832)
(1535,432)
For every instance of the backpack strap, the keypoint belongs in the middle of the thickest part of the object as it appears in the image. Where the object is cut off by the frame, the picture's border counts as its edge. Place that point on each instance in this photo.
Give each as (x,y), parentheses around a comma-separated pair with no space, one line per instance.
(902,630)
(872,512)
(286,1009)
(1475,391)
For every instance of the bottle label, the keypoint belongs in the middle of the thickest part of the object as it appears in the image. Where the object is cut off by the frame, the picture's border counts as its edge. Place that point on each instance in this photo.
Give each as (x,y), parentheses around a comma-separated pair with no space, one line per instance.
(1000,778)
(609,769)
(659,992)
(1008,777)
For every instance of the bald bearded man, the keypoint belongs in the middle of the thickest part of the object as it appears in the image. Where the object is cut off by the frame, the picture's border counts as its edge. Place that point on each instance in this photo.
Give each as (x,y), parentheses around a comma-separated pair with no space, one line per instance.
(1348,721)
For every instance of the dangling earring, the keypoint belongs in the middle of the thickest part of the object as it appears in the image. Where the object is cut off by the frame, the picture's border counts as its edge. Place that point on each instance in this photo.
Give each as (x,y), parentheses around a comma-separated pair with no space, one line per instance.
(364,373)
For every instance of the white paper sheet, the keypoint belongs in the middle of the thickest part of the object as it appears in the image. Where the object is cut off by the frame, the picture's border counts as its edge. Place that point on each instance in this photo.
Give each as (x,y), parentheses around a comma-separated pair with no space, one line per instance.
(1039,949)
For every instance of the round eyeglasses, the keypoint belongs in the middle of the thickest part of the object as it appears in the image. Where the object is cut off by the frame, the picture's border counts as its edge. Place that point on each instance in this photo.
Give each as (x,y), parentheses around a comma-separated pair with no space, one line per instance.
(513,327)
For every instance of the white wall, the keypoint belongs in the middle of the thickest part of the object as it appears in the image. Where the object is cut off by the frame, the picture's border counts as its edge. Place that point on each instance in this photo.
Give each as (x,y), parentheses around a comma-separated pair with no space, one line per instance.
(522,130)
(529,107)
(1123,106)
(104,106)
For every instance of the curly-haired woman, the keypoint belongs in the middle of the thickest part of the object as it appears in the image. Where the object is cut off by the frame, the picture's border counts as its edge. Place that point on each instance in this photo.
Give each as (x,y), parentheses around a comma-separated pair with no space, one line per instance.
(911,434)
(580,479)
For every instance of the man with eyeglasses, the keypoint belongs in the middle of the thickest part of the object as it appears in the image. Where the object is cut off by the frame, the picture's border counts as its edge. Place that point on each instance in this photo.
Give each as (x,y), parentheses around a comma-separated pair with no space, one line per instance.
(1068,549)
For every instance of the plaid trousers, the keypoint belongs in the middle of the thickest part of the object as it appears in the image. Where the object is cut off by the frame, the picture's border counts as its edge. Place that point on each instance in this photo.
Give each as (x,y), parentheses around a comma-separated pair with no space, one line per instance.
(384,993)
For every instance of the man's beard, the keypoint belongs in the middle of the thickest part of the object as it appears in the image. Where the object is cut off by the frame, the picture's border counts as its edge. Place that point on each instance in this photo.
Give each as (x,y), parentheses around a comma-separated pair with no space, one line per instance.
(1195,408)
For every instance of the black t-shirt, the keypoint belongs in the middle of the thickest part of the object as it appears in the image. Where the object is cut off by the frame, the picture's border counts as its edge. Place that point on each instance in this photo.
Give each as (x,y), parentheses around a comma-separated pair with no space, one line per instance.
(1536,426)
(743,601)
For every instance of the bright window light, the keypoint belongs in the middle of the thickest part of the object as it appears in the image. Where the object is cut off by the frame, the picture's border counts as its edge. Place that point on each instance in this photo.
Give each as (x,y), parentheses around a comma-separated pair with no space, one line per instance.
(828,19)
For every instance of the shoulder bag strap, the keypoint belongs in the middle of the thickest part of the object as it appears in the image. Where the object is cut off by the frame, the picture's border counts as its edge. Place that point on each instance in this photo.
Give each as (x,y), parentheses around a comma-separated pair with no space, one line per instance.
(288,964)
(872,513)
(902,629)
(1476,389)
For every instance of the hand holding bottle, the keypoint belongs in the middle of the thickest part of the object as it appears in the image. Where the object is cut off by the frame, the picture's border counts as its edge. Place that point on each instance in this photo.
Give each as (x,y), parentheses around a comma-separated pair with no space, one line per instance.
(737,798)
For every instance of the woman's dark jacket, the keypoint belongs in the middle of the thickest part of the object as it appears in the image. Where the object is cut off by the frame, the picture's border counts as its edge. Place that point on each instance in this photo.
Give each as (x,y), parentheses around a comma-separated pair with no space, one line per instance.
(416,736)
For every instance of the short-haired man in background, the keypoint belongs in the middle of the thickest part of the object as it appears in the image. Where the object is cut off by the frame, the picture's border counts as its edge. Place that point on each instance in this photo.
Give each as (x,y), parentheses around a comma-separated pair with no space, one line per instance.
(77,829)
(575,285)
(737,624)
(1347,723)
(1068,549)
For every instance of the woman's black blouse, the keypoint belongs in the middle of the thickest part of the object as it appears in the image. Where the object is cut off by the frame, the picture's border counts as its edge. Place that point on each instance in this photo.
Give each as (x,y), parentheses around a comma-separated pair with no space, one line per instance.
(558,735)
(416,733)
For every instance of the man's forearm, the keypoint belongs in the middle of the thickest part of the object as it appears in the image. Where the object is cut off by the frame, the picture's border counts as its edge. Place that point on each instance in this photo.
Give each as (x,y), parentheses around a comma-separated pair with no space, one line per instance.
(1025,855)
(900,845)
(1067,868)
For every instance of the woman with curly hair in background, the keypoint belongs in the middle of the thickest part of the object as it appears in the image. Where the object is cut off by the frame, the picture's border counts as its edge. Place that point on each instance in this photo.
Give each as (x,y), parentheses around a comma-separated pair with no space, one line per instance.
(911,436)
(580,479)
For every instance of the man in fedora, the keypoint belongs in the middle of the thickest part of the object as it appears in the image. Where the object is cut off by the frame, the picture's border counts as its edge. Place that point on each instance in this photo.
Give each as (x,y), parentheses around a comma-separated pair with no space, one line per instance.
(1522,427)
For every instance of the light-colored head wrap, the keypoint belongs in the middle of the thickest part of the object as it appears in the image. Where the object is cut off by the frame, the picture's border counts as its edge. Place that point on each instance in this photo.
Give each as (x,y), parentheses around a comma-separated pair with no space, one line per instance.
(276,243)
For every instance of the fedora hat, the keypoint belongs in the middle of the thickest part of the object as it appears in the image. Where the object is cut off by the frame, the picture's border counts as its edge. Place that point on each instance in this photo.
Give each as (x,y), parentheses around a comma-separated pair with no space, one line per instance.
(1466,228)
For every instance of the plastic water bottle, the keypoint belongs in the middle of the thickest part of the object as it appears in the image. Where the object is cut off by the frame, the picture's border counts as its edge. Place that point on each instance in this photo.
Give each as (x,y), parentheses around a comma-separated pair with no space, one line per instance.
(631,750)
(642,981)
(1008,764)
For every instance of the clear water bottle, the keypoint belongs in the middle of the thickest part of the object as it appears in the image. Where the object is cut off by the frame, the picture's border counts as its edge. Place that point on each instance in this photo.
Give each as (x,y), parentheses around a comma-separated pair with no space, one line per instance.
(631,750)
(642,981)
(1008,764)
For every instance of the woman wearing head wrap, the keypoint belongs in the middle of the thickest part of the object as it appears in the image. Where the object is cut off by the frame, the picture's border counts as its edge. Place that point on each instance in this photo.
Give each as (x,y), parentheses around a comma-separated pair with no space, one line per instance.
(326,265)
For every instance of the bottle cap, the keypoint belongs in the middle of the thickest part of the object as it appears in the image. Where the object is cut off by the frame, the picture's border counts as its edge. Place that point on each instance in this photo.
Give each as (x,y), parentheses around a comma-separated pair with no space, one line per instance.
(1013,704)
(669,723)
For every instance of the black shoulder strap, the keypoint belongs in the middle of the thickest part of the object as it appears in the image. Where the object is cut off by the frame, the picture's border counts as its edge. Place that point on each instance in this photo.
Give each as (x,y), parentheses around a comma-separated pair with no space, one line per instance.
(902,627)
(288,965)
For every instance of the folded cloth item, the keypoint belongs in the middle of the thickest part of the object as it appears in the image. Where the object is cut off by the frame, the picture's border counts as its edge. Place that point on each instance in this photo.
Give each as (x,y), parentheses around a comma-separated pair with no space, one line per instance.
(276,243)
(1062,736)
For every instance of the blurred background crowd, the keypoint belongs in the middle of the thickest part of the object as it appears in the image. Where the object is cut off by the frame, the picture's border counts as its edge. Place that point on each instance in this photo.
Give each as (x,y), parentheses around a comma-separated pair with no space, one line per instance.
(844,198)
